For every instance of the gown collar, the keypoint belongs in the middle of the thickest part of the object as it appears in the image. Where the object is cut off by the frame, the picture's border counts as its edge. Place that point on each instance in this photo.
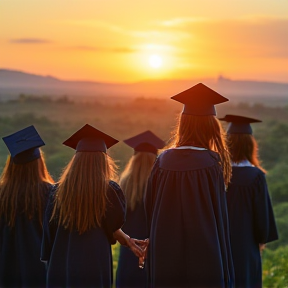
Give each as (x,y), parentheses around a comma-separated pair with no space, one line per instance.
(190,147)
(244,163)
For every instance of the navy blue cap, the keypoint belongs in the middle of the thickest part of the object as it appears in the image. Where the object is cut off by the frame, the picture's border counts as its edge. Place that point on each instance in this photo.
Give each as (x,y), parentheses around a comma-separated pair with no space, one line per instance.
(90,139)
(24,145)
(239,124)
(145,142)
(199,100)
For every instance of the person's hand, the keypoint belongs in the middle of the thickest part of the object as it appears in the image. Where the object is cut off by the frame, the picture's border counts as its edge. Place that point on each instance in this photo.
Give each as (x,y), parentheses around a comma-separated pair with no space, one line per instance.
(135,246)
(262,247)
(131,243)
(144,245)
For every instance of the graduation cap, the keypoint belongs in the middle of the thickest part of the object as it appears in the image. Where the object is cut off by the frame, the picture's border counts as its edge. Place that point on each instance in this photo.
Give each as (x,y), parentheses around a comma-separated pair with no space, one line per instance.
(145,142)
(199,100)
(239,124)
(24,145)
(90,139)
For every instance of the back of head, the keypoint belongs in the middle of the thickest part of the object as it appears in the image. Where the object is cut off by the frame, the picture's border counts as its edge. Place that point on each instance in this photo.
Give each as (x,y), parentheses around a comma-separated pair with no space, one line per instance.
(80,202)
(198,125)
(201,131)
(244,147)
(81,194)
(205,132)
(133,180)
(242,144)
(22,188)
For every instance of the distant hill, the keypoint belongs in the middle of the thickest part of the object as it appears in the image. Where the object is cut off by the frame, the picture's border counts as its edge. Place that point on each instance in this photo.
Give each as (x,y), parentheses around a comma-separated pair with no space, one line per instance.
(13,83)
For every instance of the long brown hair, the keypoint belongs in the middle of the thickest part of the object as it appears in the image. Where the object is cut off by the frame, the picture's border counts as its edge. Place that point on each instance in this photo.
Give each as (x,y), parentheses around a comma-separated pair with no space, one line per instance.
(80,201)
(22,189)
(133,180)
(206,132)
(244,147)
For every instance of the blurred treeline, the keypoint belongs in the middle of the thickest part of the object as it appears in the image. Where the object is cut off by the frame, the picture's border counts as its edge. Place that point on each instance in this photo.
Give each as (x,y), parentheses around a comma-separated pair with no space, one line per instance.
(57,118)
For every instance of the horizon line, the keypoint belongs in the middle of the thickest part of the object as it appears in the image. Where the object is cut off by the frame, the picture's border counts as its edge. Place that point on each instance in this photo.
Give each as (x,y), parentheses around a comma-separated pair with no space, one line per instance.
(216,79)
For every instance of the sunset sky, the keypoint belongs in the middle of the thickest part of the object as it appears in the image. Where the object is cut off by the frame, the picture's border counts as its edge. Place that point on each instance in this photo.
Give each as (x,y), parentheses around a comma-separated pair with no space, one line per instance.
(134,40)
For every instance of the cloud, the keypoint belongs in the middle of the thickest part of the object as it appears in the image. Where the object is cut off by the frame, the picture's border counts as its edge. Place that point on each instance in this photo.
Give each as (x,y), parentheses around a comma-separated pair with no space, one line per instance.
(252,36)
(95,24)
(161,35)
(148,34)
(104,49)
(181,21)
(29,41)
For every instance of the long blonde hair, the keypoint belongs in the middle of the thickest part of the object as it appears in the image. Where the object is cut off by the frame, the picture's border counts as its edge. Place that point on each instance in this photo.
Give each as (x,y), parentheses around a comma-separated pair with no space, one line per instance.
(133,180)
(22,189)
(80,200)
(206,132)
(244,147)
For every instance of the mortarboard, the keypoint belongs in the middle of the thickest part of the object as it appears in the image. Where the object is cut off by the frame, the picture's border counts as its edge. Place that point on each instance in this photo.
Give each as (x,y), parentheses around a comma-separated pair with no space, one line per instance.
(145,142)
(239,124)
(90,139)
(199,100)
(24,145)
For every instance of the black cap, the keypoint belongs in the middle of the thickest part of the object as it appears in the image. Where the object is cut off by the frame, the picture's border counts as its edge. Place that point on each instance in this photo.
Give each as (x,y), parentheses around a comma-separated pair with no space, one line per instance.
(145,142)
(24,145)
(239,124)
(199,100)
(90,139)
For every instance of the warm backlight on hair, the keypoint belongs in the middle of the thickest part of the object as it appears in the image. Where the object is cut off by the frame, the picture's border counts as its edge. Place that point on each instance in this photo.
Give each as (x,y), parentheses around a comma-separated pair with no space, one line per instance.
(155,61)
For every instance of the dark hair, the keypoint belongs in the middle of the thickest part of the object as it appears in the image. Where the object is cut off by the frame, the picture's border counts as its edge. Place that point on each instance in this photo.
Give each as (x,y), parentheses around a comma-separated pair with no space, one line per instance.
(244,147)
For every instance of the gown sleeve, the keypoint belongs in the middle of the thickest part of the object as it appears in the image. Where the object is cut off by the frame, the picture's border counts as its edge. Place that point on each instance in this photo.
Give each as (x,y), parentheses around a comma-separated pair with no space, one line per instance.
(115,211)
(150,195)
(265,226)
(49,229)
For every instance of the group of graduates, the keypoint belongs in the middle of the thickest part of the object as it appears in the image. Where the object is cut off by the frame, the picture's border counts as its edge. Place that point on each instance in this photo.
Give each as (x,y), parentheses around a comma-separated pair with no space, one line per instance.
(196,215)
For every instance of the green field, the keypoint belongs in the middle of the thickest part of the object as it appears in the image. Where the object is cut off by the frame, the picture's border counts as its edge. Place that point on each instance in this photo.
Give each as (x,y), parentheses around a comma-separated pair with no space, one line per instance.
(57,119)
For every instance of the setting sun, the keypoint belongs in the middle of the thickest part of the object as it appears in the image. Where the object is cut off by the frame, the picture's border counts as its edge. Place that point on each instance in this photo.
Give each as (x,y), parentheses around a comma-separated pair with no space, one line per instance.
(93,41)
(155,61)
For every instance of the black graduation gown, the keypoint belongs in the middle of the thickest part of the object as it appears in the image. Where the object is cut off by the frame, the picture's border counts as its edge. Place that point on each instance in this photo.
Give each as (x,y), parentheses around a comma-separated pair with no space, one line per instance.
(128,273)
(20,246)
(186,210)
(83,260)
(251,223)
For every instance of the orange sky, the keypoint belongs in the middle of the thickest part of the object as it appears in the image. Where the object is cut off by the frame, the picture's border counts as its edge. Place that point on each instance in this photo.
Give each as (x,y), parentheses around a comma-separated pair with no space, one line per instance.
(113,40)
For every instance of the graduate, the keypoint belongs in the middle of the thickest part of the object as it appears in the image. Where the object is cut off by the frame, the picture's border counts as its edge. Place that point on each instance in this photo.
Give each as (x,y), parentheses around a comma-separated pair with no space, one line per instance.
(133,182)
(85,215)
(186,200)
(252,222)
(24,191)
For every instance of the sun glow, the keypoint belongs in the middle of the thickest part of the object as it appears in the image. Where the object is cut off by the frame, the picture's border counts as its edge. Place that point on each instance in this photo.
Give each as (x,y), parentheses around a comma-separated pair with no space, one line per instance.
(155,61)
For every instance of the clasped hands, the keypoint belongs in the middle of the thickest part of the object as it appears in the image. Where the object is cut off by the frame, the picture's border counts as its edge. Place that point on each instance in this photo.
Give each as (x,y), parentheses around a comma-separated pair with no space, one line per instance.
(139,248)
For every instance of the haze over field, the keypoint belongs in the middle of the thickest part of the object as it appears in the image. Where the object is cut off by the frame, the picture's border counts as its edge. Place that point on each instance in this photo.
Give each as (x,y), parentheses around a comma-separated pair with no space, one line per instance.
(13,83)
